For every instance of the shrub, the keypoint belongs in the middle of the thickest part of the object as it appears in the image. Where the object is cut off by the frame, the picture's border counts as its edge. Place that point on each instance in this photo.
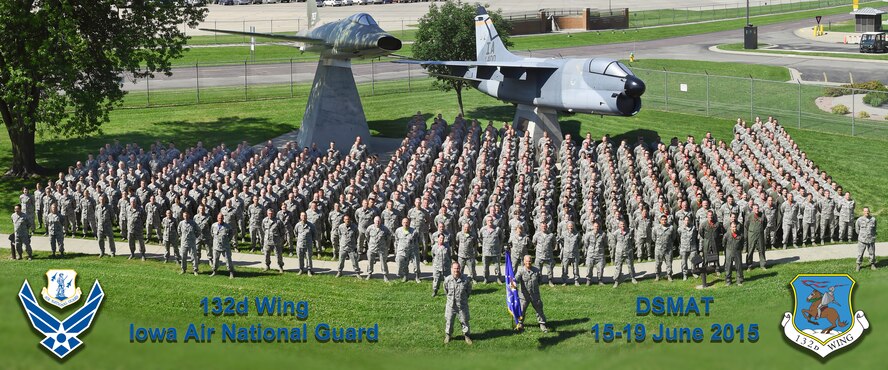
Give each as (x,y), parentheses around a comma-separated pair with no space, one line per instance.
(840,109)
(875,98)
(863,114)
(846,88)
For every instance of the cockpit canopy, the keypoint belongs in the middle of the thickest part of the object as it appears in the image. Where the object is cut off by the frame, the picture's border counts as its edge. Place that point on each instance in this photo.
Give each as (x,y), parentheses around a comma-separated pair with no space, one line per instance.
(609,67)
(363,19)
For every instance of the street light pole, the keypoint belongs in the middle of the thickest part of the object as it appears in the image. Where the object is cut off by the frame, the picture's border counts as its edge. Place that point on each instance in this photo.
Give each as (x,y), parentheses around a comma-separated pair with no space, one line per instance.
(747,12)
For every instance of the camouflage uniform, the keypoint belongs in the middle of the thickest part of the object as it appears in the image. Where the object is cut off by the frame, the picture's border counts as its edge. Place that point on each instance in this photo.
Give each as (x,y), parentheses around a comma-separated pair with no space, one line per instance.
(866,239)
(377,246)
(348,243)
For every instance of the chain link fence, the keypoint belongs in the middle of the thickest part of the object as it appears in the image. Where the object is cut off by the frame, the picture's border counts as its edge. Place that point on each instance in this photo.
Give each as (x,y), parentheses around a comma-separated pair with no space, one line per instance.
(276,79)
(814,107)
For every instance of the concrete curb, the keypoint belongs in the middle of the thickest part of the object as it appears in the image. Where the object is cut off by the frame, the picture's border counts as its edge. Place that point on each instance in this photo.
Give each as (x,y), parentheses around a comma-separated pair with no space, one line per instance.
(40,244)
(715,49)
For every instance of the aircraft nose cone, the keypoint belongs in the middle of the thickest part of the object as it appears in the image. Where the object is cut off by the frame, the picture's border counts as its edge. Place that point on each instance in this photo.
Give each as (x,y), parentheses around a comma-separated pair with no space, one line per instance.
(389,43)
(634,86)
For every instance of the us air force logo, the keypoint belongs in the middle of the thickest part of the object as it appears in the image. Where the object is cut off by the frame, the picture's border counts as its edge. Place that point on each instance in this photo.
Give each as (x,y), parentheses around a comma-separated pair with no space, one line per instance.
(822,319)
(61,290)
(60,336)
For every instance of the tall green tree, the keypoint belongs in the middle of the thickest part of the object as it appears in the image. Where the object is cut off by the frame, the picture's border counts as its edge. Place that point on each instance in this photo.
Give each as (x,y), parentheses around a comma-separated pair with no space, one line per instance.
(447,32)
(63,62)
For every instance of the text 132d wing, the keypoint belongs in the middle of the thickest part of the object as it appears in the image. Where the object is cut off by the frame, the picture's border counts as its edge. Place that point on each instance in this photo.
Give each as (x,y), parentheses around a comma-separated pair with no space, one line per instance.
(307,40)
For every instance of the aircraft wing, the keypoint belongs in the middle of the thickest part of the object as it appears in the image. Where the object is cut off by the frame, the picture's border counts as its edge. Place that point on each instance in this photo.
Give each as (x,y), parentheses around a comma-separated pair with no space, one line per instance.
(470,63)
(521,70)
(307,40)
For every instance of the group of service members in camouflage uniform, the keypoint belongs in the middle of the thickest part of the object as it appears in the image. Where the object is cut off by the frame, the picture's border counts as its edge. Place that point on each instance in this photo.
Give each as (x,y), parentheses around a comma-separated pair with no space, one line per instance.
(457,193)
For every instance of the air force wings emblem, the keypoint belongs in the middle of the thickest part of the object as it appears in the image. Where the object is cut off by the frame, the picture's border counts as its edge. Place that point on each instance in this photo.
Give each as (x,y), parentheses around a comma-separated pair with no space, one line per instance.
(61,336)
(822,319)
(62,289)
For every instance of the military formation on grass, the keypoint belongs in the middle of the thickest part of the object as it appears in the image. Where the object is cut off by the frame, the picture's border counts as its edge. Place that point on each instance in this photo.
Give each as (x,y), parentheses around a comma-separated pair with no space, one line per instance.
(460,193)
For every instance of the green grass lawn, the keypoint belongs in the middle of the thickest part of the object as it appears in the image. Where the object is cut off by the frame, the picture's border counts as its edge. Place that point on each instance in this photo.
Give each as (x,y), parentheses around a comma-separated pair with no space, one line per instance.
(762,72)
(150,294)
(848,55)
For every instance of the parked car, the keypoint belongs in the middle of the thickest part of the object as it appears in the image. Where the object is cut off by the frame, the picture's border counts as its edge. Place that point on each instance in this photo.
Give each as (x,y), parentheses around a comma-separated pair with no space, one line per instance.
(359,2)
(270,1)
(873,42)
(332,2)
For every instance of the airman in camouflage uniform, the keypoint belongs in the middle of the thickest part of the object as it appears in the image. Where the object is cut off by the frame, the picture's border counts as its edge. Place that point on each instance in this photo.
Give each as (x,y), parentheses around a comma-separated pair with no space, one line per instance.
(755,237)
(135,227)
(457,288)
(348,244)
(570,253)
(378,236)
(664,237)
(866,238)
(491,249)
(733,242)
(440,260)
(687,245)
(407,249)
(222,239)
(623,246)
(87,214)
(169,228)
(21,226)
(846,218)
(55,228)
(254,220)
(272,240)
(305,234)
(520,243)
(544,244)
(527,281)
(467,244)
(104,222)
(204,236)
(595,244)
(188,232)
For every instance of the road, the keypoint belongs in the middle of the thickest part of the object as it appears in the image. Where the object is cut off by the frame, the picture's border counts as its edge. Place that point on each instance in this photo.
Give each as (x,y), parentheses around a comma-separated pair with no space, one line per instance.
(694,47)
(396,17)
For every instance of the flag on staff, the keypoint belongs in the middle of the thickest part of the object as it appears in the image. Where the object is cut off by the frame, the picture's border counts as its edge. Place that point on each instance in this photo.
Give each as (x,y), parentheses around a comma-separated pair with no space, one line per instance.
(513,303)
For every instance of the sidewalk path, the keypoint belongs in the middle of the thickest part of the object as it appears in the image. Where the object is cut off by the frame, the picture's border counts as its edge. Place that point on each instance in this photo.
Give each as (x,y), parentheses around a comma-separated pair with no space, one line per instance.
(40,245)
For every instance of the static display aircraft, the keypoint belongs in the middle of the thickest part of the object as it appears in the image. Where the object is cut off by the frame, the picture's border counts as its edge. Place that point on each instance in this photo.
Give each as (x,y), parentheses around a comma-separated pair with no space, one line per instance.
(334,112)
(543,87)
(357,36)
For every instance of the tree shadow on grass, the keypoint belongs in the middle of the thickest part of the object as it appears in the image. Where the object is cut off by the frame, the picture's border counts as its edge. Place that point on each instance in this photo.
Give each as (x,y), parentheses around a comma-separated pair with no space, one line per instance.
(479,291)
(748,278)
(59,153)
(631,137)
(394,128)
(492,334)
(495,113)
(560,336)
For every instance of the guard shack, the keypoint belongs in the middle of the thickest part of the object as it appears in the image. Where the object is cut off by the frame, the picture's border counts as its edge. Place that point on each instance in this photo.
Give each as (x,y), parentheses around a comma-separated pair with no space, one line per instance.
(867,20)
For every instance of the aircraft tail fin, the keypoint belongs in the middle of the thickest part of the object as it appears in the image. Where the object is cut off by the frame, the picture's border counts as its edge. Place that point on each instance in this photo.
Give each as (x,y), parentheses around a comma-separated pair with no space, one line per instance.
(488,44)
(313,16)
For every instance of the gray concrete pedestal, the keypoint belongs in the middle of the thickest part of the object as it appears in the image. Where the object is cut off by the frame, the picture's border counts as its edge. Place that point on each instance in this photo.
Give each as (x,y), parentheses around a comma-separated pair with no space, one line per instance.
(333,111)
(538,120)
